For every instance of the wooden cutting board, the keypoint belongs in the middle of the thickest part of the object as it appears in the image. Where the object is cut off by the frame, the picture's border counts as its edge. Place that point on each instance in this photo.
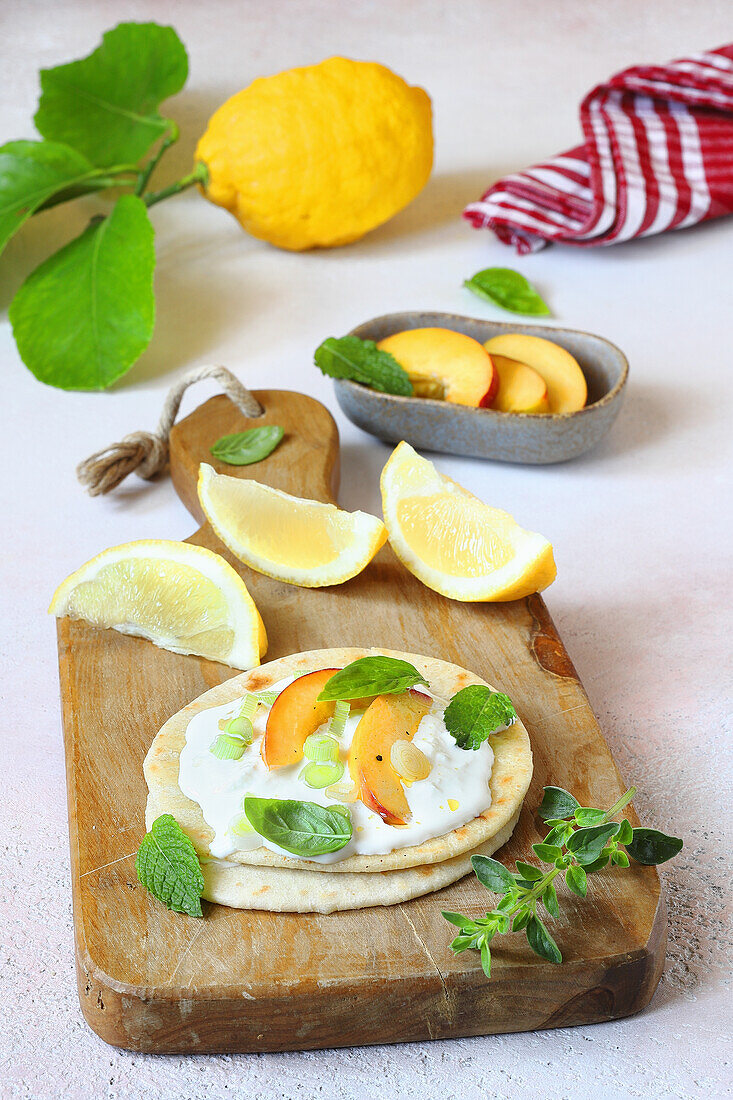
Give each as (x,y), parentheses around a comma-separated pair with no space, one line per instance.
(151,980)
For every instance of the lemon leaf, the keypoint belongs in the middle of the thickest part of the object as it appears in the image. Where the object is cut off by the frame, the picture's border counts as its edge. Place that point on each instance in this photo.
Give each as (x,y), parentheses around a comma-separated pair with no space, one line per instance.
(32,172)
(167,866)
(83,317)
(105,105)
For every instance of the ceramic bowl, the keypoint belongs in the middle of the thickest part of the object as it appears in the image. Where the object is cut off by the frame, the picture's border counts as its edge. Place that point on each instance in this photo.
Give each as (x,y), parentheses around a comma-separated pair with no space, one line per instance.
(485,433)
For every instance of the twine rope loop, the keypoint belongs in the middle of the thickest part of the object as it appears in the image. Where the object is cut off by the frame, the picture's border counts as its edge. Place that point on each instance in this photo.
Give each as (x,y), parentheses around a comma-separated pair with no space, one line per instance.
(146,453)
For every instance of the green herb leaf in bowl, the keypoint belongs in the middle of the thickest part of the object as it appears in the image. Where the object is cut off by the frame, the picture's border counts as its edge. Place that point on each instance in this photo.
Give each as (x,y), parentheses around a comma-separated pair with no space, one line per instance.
(167,866)
(246,448)
(105,105)
(371,676)
(362,361)
(509,290)
(84,316)
(475,712)
(302,828)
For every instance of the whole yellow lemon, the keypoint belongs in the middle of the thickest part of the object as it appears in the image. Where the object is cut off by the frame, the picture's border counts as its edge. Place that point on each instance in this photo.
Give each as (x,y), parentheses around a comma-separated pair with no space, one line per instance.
(317,156)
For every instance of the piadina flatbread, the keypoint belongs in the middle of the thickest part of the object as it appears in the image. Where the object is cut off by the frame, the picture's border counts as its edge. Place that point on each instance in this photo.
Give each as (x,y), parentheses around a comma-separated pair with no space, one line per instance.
(263,879)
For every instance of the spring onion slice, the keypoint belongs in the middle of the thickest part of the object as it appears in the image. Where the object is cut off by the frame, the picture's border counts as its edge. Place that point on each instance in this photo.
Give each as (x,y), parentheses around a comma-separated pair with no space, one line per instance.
(249,706)
(318,776)
(267,698)
(340,714)
(227,748)
(320,748)
(240,727)
(240,825)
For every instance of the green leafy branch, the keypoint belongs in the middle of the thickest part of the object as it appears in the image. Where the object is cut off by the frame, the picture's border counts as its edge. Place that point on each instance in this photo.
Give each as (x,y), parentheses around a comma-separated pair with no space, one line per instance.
(581,841)
(83,317)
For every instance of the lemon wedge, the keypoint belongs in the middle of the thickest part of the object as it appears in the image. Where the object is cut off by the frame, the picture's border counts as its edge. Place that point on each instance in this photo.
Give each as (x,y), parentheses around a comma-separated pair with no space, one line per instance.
(181,597)
(452,541)
(298,541)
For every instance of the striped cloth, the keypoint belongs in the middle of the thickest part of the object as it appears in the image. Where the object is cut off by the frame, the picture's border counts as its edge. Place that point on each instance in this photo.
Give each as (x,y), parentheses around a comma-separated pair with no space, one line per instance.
(658,155)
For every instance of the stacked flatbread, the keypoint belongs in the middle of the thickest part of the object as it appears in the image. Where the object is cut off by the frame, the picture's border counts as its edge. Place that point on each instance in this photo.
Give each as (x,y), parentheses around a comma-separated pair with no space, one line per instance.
(262,879)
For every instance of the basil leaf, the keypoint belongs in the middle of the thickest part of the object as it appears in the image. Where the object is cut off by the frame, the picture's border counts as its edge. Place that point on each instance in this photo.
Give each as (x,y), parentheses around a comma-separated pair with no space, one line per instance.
(362,361)
(541,941)
(475,712)
(507,289)
(587,844)
(245,448)
(167,866)
(303,828)
(371,676)
(84,316)
(650,847)
(585,816)
(492,874)
(557,803)
(31,172)
(105,105)
(625,833)
(486,959)
(576,880)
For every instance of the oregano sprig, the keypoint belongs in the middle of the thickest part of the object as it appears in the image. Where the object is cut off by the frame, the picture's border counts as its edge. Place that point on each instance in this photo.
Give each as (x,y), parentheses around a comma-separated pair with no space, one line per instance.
(581,840)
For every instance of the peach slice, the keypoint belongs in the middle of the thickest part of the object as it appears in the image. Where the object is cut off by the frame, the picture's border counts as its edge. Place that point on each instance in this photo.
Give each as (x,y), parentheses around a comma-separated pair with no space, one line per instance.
(566,386)
(521,389)
(445,364)
(295,714)
(389,718)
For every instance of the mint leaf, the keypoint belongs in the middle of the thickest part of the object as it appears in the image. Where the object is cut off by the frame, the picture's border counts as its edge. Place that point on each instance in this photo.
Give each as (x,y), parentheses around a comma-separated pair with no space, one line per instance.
(302,828)
(245,448)
(362,361)
(371,676)
(84,316)
(167,866)
(476,712)
(507,289)
(31,172)
(105,105)
(651,847)
(557,803)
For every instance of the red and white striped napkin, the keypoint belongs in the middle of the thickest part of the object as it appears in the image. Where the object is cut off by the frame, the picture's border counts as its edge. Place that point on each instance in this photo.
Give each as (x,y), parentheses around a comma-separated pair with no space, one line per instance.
(658,155)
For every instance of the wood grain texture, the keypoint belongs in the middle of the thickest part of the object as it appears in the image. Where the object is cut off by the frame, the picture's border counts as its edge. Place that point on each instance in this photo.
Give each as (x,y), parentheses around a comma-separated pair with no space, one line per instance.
(156,981)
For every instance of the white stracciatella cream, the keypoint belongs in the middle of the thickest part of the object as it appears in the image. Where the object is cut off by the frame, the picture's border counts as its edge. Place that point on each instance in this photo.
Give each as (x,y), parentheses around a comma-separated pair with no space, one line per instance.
(456,791)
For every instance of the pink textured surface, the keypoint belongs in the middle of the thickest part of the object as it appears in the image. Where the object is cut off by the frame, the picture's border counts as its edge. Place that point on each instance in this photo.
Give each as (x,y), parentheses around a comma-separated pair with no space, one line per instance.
(639,525)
